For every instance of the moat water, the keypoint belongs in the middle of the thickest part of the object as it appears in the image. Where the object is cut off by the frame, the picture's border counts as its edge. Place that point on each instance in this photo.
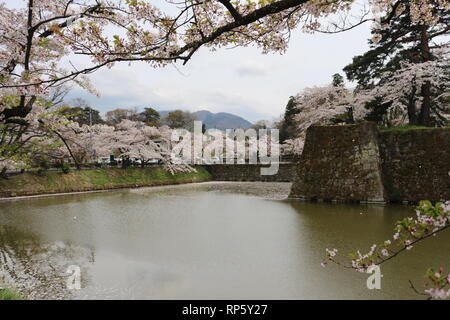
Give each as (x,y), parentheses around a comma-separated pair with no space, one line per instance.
(203,241)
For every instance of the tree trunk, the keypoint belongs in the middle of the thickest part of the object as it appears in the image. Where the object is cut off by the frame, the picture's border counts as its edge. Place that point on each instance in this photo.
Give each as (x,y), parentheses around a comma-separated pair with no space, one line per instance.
(425,110)
(412,114)
(125,163)
(77,165)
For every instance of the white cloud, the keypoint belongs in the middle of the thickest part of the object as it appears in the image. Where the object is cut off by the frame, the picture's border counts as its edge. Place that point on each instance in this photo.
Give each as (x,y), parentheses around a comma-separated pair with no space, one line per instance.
(252,69)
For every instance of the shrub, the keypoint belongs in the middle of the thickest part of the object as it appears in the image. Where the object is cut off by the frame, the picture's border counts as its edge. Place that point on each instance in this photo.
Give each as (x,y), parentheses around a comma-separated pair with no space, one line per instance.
(44,165)
(58,165)
(65,168)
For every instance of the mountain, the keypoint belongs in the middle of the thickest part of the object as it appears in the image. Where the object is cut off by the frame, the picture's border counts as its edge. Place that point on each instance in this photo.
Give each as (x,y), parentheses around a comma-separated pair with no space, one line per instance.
(220,120)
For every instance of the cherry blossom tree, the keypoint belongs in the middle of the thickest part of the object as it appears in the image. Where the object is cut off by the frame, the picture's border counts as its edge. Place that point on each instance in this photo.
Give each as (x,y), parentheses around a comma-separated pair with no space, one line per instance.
(406,33)
(293,146)
(21,143)
(128,140)
(135,140)
(39,38)
(327,105)
(401,91)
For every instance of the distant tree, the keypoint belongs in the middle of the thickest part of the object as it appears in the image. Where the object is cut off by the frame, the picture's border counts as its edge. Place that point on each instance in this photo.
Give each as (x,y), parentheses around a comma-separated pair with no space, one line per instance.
(69,112)
(81,112)
(93,116)
(115,116)
(261,124)
(338,80)
(287,125)
(150,117)
(84,116)
(179,119)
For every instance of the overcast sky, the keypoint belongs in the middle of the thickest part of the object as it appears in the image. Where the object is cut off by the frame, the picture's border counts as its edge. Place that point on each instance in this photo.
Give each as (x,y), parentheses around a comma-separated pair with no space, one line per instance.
(241,81)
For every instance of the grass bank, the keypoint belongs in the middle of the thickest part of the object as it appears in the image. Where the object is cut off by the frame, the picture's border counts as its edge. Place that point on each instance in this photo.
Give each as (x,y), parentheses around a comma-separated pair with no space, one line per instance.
(27,184)
(408,128)
(8,294)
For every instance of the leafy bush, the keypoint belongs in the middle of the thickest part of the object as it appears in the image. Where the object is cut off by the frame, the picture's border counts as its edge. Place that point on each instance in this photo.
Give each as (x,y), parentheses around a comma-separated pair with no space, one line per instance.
(65,168)
(58,165)
(44,165)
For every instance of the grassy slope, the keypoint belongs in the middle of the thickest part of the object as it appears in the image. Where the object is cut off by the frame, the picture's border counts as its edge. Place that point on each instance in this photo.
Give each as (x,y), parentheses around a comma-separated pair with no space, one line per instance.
(7,294)
(84,180)
(407,128)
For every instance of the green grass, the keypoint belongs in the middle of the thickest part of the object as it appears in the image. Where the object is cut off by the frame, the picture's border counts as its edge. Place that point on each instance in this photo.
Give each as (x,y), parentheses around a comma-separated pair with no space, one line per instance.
(8,294)
(407,128)
(32,183)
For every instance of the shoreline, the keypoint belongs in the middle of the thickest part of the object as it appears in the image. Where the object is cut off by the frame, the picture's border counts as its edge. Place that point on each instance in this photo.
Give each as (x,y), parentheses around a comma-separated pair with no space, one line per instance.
(156,187)
(181,185)
(143,188)
(29,185)
(53,183)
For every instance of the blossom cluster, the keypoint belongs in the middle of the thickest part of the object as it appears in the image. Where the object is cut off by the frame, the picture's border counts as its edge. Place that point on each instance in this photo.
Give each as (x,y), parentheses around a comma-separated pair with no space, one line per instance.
(401,86)
(439,282)
(326,105)
(128,139)
(38,37)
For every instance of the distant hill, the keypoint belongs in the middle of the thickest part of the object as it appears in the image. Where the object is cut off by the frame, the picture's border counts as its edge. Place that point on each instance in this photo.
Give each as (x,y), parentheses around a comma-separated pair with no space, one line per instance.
(221,120)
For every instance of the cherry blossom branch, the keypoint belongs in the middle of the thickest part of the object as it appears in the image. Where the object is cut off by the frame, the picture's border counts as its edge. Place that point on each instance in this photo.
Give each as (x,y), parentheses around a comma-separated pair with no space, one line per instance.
(417,291)
(236,15)
(189,48)
(392,254)
(431,220)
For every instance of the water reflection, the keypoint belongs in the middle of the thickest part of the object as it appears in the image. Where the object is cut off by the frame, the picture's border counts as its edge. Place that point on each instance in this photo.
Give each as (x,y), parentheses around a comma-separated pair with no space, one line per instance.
(208,241)
(37,268)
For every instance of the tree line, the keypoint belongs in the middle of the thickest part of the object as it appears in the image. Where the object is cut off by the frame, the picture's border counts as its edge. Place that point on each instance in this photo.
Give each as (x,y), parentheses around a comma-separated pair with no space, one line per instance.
(80,112)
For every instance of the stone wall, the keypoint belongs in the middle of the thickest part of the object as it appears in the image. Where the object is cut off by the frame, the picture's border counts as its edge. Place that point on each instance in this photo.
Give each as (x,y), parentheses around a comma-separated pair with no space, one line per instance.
(360,163)
(340,163)
(250,172)
(416,164)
